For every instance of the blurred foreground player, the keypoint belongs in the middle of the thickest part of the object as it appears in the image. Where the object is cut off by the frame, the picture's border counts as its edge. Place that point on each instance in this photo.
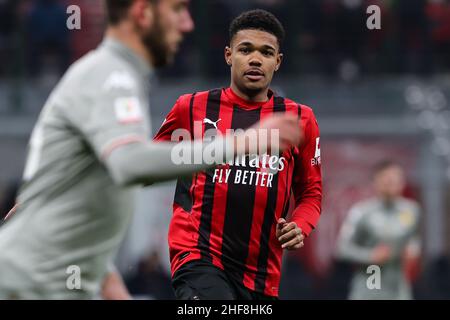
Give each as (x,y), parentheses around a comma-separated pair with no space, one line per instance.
(89,150)
(228,228)
(382,232)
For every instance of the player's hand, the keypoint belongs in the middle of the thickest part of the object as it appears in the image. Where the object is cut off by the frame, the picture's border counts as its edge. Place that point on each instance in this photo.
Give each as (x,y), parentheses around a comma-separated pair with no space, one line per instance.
(113,287)
(288,130)
(381,254)
(289,234)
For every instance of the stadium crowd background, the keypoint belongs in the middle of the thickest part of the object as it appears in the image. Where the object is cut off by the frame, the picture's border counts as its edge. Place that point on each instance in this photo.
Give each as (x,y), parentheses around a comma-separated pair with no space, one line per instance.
(377,94)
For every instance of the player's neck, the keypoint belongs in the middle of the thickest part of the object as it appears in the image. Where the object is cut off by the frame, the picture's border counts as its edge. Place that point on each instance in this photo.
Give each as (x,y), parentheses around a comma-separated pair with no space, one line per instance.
(126,36)
(257,96)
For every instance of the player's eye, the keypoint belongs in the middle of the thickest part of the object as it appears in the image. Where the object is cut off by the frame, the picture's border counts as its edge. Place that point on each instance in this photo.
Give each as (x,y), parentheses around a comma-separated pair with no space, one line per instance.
(244,50)
(268,53)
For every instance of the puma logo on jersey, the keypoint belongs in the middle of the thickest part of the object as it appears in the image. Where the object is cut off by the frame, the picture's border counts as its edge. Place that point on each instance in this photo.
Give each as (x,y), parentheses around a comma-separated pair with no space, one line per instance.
(214,123)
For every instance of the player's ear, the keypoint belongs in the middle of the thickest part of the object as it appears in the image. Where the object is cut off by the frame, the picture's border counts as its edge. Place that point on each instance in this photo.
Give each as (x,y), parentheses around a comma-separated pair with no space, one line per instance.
(279,60)
(227,53)
(142,12)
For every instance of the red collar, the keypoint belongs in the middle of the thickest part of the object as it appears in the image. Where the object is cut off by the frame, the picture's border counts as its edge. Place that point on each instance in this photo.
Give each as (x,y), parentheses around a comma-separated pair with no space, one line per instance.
(235,99)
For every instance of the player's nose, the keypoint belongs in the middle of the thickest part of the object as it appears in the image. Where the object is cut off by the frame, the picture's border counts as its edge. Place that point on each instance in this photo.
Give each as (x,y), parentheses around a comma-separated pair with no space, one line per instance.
(186,24)
(255,62)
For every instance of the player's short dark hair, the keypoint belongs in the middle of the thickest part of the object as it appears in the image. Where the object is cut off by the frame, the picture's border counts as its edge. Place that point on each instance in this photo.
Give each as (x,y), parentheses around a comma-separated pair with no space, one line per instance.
(258,19)
(116,10)
(385,164)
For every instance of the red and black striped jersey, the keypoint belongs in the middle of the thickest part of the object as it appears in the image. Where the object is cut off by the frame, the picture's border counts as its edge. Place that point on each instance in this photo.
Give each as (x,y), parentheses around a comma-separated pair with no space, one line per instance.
(228,214)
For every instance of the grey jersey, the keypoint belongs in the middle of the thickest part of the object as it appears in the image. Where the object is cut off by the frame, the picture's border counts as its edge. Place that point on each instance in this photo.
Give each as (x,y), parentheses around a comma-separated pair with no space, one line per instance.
(371,223)
(71,213)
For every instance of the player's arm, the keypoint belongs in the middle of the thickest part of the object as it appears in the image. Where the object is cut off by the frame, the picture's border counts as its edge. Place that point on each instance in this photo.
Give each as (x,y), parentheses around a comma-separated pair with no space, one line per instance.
(114,127)
(307,188)
(349,247)
(129,155)
(146,162)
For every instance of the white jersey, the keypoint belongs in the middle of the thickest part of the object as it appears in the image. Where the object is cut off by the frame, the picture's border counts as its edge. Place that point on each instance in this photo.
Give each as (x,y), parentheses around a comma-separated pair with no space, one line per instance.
(72,216)
(369,224)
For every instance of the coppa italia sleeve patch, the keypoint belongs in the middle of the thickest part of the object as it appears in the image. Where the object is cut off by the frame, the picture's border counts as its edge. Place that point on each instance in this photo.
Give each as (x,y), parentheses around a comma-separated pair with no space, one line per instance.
(128,110)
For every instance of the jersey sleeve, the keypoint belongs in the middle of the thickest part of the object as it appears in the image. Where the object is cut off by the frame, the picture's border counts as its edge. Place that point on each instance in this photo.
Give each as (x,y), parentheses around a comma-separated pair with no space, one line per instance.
(351,233)
(110,118)
(177,118)
(307,180)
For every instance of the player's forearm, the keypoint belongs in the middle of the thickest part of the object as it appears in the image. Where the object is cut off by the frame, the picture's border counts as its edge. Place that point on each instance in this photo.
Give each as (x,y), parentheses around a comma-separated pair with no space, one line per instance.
(349,251)
(307,213)
(149,162)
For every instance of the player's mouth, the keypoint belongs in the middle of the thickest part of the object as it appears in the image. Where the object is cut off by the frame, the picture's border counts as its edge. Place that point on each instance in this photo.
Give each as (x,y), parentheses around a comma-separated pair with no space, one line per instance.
(254,74)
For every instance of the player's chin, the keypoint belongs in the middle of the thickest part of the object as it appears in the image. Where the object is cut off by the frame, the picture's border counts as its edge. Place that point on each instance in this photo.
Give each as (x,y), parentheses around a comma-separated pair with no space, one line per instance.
(255,85)
(173,48)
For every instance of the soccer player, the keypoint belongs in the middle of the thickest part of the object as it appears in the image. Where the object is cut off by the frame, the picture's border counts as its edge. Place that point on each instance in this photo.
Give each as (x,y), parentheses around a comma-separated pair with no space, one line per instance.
(383,232)
(89,151)
(229,224)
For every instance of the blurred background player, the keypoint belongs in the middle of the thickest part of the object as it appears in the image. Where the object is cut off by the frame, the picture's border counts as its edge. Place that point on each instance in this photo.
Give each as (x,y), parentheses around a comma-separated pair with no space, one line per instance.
(231,247)
(89,150)
(382,231)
